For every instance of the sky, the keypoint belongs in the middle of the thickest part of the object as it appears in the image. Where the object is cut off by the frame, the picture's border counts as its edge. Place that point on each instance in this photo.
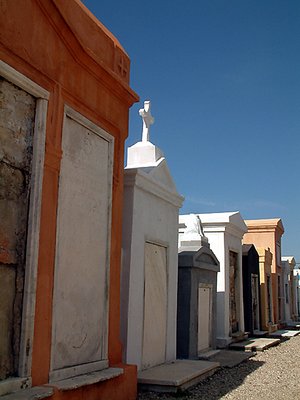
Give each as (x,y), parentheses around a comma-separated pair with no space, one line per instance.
(223,78)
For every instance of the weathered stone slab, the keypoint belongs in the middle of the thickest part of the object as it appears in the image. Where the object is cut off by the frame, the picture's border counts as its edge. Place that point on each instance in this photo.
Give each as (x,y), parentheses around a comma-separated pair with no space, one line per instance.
(36,393)
(284,333)
(17,113)
(255,344)
(155,306)
(176,376)
(87,379)
(231,358)
(82,251)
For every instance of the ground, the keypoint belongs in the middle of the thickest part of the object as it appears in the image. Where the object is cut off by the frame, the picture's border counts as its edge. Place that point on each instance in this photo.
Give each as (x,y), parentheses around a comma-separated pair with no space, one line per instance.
(270,375)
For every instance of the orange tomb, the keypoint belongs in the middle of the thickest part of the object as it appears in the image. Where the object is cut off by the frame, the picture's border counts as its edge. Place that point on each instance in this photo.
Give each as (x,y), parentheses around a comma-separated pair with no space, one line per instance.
(267,233)
(67,78)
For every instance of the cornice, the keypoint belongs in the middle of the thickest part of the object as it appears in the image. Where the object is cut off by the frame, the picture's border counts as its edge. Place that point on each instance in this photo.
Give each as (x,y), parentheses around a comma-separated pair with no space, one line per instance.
(137,178)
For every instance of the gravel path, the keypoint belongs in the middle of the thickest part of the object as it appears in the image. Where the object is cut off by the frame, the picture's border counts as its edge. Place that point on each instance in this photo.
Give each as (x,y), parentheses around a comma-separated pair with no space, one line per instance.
(270,375)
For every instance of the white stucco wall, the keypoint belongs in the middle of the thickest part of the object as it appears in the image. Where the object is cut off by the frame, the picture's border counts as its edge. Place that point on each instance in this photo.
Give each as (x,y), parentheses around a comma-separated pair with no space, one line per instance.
(150,215)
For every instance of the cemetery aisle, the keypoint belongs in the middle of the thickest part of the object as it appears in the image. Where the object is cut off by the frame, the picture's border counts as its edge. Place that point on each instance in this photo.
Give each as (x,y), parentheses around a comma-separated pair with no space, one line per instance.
(270,375)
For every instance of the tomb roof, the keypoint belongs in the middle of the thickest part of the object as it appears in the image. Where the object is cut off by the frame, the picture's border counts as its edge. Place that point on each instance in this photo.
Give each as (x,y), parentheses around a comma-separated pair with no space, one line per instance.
(265,224)
(224,218)
(94,37)
(290,259)
(247,248)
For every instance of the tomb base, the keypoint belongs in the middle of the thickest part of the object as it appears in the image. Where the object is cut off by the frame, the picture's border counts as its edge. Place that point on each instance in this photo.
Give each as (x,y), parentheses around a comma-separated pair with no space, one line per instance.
(118,383)
(176,376)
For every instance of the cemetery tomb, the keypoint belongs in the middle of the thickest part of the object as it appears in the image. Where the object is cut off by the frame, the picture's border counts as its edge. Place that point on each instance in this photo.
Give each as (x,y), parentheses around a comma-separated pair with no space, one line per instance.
(150,270)
(197,293)
(149,273)
(291,281)
(251,288)
(224,232)
(267,233)
(297,292)
(66,96)
(287,277)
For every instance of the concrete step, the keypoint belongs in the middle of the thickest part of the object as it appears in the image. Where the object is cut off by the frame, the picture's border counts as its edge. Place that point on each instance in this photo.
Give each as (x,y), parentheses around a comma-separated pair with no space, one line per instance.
(207,355)
(35,393)
(293,326)
(239,336)
(176,376)
(231,358)
(258,333)
(284,333)
(255,344)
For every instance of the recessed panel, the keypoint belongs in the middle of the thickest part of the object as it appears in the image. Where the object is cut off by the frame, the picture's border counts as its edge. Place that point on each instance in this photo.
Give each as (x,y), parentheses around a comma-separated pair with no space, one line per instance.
(82,249)
(155,306)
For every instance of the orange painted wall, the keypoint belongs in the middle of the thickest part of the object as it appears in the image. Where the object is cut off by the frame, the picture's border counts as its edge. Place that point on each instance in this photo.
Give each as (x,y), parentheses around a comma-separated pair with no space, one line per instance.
(63,48)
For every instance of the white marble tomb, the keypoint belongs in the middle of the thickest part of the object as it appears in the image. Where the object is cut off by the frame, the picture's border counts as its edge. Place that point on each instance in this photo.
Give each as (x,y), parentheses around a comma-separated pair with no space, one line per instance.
(149,265)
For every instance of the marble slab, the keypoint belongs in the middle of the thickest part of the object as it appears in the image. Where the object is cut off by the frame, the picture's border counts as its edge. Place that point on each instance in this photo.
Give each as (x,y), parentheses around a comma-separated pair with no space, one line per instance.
(255,344)
(175,376)
(155,306)
(80,300)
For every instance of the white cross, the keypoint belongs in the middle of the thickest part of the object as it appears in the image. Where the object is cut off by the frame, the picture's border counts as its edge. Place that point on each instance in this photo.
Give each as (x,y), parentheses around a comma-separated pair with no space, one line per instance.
(148,120)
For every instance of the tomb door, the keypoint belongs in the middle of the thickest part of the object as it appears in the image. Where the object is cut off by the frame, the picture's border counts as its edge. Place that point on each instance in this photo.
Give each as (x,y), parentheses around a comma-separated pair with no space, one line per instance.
(233,295)
(155,306)
(80,301)
(204,317)
(269,299)
(255,301)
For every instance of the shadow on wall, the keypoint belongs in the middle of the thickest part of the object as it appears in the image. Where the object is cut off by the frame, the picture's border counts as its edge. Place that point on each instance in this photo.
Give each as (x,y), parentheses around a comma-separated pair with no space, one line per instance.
(214,387)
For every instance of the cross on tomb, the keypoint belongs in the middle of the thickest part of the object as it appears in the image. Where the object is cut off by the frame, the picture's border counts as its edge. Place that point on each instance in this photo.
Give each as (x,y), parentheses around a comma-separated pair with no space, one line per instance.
(148,120)
(122,67)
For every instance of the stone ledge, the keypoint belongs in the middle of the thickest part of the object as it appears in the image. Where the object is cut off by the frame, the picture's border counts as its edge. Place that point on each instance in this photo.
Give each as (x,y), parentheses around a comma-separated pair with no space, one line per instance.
(35,393)
(87,379)
(11,385)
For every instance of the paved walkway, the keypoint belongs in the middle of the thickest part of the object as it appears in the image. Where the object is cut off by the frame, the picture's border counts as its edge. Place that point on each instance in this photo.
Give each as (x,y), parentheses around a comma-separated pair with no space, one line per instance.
(270,375)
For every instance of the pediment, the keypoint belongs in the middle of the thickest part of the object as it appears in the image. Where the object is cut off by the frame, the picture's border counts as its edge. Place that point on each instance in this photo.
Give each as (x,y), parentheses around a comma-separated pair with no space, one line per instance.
(161,174)
(205,256)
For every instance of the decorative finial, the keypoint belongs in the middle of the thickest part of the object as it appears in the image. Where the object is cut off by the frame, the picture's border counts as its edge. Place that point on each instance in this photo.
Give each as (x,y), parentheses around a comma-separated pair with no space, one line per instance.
(148,120)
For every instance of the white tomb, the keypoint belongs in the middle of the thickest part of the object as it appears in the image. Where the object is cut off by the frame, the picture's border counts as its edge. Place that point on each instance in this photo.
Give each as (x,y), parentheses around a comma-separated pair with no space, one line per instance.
(296,281)
(224,232)
(150,264)
(289,309)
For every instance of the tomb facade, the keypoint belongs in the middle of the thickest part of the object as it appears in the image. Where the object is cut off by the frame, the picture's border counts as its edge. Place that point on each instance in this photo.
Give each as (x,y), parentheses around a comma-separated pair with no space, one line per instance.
(267,233)
(66,97)
(251,289)
(197,293)
(266,297)
(297,292)
(225,232)
(149,270)
(288,265)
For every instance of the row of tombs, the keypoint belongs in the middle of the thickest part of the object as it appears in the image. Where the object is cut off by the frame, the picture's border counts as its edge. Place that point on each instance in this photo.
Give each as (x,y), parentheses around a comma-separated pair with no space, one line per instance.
(100,283)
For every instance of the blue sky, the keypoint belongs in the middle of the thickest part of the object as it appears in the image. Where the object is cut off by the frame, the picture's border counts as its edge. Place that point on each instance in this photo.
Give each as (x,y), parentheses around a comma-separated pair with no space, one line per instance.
(223,78)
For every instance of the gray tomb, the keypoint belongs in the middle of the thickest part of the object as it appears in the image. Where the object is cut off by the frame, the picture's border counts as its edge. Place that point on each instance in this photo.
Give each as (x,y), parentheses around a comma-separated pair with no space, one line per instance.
(197,293)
